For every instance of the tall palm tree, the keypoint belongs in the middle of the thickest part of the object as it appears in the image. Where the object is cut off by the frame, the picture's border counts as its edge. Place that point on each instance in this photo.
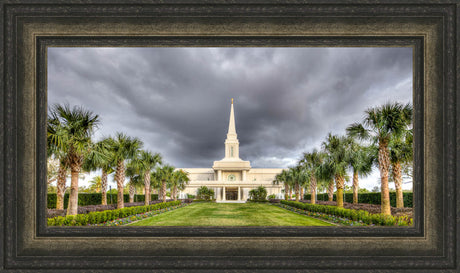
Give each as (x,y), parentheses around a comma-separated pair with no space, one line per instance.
(164,174)
(100,157)
(336,147)
(312,164)
(155,183)
(380,124)
(73,128)
(401,152)
(179,181)
(55,150)
(282,178)
(134,177)
(123,148)
(298,177)
(148,162)
(326,175)
(360,159)
(285,178)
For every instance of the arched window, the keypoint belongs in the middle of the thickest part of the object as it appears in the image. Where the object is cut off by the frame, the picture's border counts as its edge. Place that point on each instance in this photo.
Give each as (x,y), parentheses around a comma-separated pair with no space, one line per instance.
(231,151)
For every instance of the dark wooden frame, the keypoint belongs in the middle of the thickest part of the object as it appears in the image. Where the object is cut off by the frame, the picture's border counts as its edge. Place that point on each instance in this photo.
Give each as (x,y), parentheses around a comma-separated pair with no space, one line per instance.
(29,28)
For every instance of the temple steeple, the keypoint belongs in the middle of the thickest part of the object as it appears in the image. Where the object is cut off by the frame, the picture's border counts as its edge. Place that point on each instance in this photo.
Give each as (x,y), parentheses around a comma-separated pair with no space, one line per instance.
(231,134)
(232,143)
(231,164)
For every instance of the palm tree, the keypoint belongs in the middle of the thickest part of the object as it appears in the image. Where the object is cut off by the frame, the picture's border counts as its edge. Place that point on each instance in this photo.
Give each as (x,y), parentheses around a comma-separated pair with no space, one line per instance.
(101,158)
(401,152)
(336,147)
(55,144)
(71,133)
(164,174)
(380,124)
(95,184)
(134,177)
(282,178)
(148,161)
(179,181)
(360,160)
(326,176)
(312,163)
(286,178)
(298,177)
(122,148)
(155,183)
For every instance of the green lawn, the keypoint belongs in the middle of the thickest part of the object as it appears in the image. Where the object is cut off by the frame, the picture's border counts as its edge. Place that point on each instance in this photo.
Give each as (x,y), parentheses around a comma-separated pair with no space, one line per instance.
(224,214)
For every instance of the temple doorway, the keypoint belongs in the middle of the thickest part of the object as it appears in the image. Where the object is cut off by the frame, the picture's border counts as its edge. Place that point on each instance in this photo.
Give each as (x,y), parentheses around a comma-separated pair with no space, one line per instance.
(231,193)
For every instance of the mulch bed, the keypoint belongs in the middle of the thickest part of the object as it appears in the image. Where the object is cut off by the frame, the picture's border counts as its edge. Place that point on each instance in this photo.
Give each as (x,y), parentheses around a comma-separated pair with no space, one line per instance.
(371,208)
(50,213)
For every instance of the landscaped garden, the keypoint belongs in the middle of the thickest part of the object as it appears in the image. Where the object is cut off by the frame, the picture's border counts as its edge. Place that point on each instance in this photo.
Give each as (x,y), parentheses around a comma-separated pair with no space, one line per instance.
(224,214)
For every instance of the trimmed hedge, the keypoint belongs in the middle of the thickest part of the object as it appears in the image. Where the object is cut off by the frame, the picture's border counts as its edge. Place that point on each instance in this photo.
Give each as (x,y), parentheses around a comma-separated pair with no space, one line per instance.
(86,199)
(355,215)
(368,198)
(107,215)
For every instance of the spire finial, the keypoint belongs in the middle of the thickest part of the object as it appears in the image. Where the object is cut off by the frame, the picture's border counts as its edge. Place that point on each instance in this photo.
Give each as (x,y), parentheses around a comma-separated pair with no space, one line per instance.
(232,100)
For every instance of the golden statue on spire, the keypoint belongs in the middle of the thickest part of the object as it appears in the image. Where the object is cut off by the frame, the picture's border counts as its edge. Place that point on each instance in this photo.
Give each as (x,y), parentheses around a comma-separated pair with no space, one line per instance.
(232,100)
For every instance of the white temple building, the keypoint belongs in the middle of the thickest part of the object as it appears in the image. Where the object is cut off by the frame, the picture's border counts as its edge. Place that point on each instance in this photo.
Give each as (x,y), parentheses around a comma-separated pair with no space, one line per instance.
(232,178)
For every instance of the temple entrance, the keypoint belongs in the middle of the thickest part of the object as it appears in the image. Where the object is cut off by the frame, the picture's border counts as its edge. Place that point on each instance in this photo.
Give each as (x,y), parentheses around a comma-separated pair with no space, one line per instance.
(231,193)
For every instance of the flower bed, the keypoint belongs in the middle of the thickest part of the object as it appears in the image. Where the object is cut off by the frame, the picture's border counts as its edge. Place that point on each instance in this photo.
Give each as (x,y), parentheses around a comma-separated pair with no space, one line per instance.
(99,217)
(346,216)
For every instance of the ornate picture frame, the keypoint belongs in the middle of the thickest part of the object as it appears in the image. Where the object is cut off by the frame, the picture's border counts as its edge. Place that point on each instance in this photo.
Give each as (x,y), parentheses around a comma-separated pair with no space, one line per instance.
(430,28)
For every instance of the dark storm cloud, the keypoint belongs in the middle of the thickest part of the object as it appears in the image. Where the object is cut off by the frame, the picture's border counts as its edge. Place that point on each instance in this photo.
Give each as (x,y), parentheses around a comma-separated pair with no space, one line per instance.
(177,100)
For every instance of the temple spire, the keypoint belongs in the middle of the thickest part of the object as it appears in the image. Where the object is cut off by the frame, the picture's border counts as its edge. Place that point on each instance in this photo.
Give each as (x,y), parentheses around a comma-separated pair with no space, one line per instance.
(231,134)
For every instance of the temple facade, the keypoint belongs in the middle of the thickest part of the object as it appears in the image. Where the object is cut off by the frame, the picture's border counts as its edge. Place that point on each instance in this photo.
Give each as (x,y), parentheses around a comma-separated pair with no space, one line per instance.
(232,178)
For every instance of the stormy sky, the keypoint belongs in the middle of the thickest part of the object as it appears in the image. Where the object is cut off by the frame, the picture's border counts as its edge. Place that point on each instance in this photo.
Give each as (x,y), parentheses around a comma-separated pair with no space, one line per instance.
(177,100)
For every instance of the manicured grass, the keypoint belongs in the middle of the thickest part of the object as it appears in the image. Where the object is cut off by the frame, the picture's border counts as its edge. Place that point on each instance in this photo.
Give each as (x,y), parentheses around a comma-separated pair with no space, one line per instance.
(224,214)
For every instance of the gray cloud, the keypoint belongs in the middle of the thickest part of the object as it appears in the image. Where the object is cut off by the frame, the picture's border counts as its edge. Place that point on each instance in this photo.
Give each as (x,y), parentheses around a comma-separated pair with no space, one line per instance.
(177,100)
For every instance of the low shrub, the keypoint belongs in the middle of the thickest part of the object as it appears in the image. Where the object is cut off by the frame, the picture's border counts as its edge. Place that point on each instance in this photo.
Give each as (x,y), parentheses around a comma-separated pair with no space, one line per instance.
(87,199)
(205,193)
(258,194)
(108,215)
(355,215)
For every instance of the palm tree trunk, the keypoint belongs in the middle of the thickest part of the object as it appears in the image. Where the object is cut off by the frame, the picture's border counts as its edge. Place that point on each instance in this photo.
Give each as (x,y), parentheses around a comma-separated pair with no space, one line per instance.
(330,190)
(313,190)
(397,176)
(60,185)
(174,193)
(72,208)
(301,193)
(104,187)
(355,187)
(290,193)
(120,178)
(384,164)
(131,193)
(340,183)
(297,191)
(163,191)
(147,188)
(286,191)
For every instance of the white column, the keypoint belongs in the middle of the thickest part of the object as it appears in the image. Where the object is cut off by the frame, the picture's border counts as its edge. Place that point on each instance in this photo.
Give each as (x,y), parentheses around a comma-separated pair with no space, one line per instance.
(244,175)
(218,194)
(239,193)
(223,193)
(219,175)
